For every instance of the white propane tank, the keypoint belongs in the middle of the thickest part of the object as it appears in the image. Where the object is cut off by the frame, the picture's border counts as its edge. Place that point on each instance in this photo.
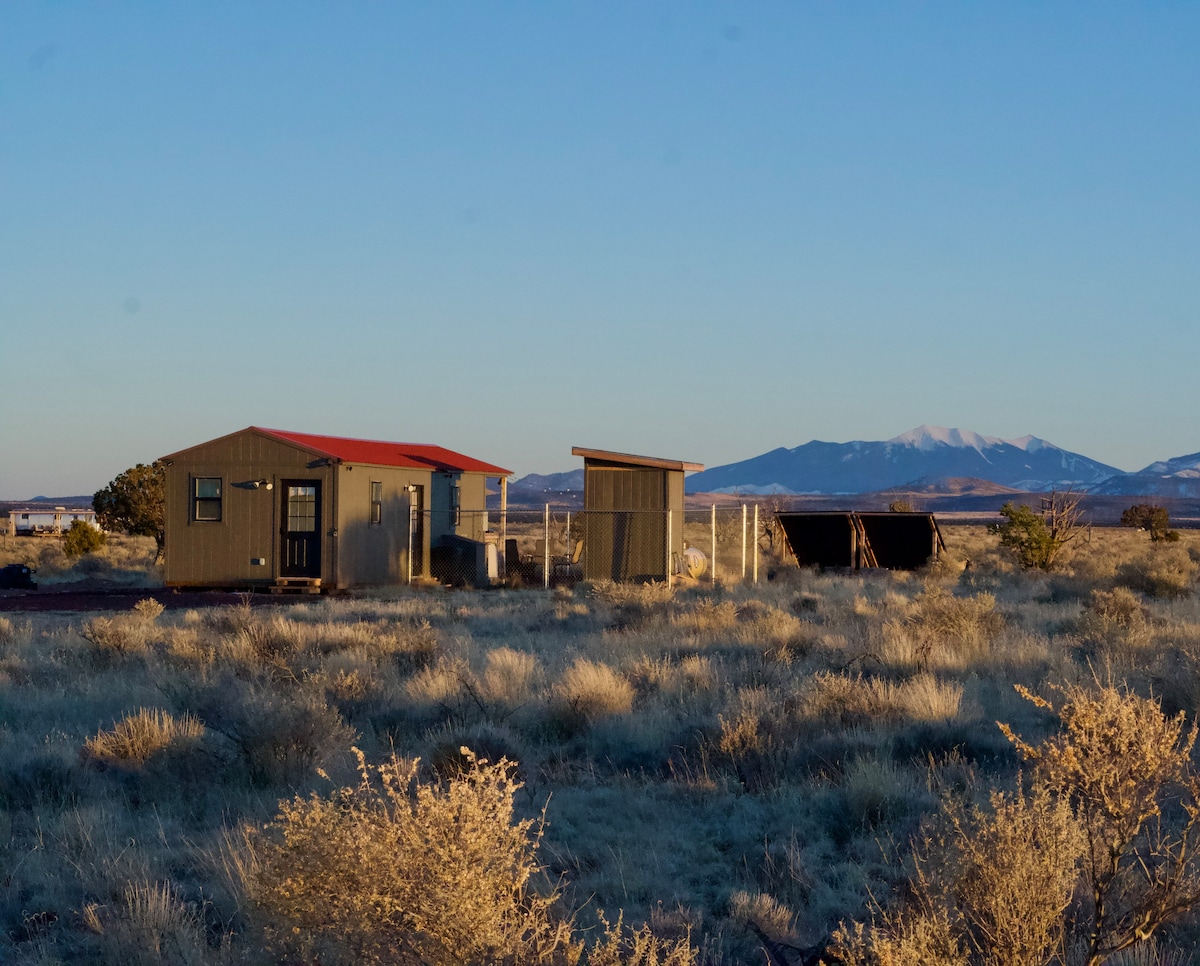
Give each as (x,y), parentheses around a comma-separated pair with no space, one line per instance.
(694,562)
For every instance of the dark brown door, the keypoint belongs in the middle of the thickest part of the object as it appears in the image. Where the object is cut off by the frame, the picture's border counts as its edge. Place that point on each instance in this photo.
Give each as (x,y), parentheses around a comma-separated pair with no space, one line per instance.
(301,532)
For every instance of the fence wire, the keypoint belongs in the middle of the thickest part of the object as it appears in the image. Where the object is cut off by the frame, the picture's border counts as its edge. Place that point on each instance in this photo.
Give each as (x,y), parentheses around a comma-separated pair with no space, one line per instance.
(553,547)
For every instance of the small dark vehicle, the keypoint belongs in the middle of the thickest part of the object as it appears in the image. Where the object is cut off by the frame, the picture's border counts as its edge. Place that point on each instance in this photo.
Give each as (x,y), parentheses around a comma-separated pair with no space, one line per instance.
(17,577)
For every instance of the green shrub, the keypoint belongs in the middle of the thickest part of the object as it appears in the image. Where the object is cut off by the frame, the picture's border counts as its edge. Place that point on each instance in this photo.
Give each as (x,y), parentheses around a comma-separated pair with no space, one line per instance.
(82,538)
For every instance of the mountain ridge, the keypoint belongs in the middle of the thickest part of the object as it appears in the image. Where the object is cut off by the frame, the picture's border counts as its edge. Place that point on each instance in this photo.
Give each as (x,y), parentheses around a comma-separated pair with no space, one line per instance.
(928,458)
(1026,463)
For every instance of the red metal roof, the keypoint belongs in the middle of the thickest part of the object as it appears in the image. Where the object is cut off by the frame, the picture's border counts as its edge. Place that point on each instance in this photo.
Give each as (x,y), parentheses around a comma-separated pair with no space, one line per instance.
(379,453)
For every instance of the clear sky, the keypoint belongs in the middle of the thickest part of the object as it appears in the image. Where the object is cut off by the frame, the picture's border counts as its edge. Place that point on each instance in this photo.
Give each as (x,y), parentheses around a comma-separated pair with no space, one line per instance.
(697,231)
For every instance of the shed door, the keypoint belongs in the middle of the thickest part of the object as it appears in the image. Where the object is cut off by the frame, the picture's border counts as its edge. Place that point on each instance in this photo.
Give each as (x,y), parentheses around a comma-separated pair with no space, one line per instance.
(300,545)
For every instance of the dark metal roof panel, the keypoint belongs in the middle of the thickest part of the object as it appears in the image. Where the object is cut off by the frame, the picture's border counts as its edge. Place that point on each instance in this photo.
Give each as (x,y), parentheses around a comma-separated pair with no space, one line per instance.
(628,459)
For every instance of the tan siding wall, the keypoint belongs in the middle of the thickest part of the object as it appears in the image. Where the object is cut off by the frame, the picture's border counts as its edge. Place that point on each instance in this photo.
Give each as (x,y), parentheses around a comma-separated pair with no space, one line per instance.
(201,553)
(473,495)
(375,554)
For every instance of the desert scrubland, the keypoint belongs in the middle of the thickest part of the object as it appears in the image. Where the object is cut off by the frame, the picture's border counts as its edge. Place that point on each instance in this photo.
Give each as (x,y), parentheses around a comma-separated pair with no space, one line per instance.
(698,774)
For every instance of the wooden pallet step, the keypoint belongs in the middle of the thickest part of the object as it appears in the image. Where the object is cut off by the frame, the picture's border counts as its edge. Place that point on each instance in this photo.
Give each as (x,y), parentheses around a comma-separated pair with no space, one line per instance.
(296,585)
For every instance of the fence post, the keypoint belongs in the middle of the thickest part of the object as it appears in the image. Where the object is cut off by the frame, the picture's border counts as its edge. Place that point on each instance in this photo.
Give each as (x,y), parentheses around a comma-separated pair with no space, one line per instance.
(503,555)
(743,541)
(546,551)
(756,543)
(713,578)
(412,510)
(670,544)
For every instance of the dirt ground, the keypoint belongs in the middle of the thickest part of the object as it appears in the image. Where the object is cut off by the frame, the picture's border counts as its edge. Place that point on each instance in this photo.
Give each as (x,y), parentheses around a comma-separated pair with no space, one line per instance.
(65,597)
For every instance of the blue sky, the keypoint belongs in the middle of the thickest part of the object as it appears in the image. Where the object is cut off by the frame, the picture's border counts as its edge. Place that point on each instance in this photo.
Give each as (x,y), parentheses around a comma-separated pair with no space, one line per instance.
(698,231)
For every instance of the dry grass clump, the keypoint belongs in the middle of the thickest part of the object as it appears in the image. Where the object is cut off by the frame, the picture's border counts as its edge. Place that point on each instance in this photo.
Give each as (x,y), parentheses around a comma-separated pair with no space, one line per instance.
(846,700)
(7,631)
(151,925)
(764,913)
(708,615)
(589,690)
(510,677)
(137,737)
(941,630)
(689,675)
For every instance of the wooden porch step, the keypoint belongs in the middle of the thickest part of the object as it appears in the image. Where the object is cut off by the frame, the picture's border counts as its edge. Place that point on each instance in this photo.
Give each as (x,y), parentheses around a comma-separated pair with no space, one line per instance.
(296,585)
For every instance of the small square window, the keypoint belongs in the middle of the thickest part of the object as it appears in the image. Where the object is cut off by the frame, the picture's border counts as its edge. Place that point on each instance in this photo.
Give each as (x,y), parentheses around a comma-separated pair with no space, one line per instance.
(376,502)
(206,499)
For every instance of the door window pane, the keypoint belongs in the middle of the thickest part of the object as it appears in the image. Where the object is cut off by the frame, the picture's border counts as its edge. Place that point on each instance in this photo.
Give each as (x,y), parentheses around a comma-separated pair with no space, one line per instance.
(302,509)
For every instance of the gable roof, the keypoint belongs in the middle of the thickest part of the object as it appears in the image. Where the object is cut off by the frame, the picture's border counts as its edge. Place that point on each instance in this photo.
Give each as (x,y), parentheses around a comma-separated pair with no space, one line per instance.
(380,453)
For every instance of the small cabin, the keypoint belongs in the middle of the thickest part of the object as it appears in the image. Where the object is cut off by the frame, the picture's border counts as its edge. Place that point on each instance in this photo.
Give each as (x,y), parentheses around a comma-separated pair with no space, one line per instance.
(267,507)
(633,515)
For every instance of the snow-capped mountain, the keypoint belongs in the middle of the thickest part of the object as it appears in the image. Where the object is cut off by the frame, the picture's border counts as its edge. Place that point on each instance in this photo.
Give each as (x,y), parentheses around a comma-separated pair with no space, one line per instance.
(927,452)
(1179,476)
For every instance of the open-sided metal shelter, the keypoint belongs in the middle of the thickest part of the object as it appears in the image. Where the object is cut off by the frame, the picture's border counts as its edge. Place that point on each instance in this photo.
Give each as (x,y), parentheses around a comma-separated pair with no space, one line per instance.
(856,540)
(633,515)
(271,507)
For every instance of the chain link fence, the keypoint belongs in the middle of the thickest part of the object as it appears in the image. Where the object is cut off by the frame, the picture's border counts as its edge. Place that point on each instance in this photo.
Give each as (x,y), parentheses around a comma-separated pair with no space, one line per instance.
(555,547)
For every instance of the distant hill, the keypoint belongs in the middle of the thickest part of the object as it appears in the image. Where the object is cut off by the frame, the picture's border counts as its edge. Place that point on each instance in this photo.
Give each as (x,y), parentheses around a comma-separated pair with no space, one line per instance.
(922,455)
(954,486)
(547,488)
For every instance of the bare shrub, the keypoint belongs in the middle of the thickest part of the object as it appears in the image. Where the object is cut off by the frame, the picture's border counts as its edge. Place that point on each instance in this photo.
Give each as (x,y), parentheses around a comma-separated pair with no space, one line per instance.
(115,637)
(402,871)
(139,736)
(990,886)
(838,699)
(1115,620)
(280,736)
(148,610)
(1126,769)
(619,946)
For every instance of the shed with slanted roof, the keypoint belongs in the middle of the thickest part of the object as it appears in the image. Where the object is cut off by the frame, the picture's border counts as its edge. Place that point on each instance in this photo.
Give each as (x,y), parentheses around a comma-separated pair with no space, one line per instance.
(267,507)
(633,515)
